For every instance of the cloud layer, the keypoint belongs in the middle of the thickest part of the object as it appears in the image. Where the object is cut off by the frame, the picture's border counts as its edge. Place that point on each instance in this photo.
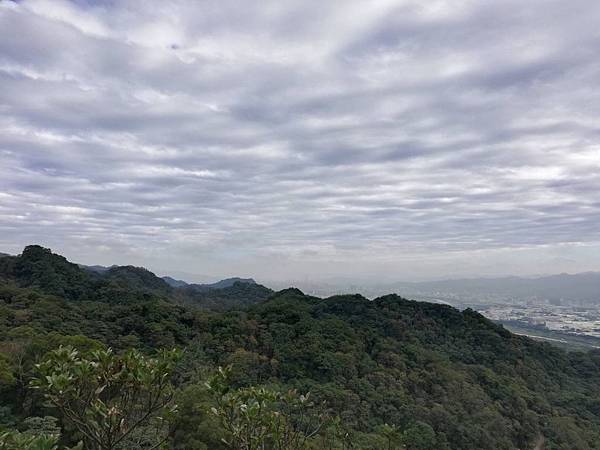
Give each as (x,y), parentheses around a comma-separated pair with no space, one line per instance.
(300,138)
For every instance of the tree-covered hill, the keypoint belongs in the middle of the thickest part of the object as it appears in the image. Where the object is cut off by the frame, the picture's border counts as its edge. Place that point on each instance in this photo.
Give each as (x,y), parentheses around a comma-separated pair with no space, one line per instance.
(37,267)
(138,278)
(395,373)
(397,361)
(237,294)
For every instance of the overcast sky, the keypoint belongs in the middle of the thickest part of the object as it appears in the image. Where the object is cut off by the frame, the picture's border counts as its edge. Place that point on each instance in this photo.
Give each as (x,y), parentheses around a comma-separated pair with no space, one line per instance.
(304,139)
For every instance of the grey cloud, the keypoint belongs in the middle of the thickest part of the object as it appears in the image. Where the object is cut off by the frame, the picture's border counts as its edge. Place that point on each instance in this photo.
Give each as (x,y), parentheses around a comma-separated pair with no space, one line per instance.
(299,138)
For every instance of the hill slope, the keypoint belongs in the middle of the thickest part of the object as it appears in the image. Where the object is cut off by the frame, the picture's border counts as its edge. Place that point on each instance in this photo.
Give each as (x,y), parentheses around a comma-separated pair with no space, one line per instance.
(39,268)
(453,379)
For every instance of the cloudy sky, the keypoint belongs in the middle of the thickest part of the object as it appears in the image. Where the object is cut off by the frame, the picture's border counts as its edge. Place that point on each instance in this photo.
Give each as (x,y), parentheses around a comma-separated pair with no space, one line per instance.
(303,139)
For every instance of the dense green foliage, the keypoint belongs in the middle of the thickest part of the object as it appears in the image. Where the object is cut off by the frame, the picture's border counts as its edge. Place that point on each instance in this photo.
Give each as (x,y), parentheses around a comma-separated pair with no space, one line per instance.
(109,398)
(13,440)
(257,418)
(236,295)
(393,373)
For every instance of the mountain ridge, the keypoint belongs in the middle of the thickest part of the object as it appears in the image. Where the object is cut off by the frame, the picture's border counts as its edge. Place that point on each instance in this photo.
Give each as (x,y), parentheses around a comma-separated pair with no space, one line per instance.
(173,282)
(579,288)
(38,267)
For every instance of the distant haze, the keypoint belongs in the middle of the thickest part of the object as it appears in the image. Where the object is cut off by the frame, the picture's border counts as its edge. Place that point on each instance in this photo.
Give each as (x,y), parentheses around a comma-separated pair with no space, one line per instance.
(303,140)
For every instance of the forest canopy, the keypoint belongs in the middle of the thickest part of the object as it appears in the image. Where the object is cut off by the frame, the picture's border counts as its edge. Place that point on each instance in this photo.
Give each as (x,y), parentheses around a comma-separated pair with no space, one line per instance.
(375,374)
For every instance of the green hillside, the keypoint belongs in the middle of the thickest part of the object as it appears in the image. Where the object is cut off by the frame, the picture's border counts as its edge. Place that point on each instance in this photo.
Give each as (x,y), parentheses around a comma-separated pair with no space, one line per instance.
(442,378)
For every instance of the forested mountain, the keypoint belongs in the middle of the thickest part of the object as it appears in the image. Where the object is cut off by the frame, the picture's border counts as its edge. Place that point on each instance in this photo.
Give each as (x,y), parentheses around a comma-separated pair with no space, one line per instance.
(38,267)
(227,282)
(393,373)
(95,268)
(174,282)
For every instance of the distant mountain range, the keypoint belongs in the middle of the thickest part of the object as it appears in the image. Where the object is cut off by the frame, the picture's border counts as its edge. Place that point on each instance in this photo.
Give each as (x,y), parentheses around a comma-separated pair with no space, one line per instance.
(581,288)
(227,282)
(175,283)
(97,269)
(38,267)
(568,289)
